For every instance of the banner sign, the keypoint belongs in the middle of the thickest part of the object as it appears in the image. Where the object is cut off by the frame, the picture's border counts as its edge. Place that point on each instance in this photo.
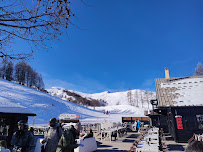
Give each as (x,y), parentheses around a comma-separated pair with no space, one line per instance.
(179,122)
(67,116)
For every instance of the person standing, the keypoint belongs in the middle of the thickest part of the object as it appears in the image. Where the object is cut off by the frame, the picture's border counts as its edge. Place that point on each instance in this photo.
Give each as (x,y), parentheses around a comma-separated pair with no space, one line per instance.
(138,126)
(22,138)
(52,136)
(67,142)
(89,133)
(135,126)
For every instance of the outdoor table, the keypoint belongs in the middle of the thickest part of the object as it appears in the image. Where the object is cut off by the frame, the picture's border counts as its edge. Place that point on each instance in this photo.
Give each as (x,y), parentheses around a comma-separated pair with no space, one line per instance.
(153,142)
(110,131)
(152,136)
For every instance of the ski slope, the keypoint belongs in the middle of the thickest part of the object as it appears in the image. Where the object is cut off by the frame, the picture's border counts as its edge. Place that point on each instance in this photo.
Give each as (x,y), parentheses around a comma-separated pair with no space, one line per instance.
(47,106)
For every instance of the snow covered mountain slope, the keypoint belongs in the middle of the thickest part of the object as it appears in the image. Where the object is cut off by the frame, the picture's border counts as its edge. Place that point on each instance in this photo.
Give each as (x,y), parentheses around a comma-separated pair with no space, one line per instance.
(47,106)
(138,98)
(135,97)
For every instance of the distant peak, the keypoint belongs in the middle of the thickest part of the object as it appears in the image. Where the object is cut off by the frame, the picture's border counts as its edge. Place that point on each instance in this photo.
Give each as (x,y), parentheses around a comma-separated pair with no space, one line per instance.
(58,88)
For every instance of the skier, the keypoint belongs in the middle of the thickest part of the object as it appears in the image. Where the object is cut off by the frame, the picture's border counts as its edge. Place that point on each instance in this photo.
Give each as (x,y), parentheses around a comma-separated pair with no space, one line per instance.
(52,136)
(22,139)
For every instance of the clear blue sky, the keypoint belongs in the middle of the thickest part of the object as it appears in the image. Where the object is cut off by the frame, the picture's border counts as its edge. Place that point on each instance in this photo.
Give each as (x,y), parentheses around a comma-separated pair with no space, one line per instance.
(125,44)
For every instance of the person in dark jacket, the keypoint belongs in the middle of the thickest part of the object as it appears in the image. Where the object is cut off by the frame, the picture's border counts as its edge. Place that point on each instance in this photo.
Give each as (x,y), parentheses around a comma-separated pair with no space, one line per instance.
(51,138)
(22,138)
(67,142)
(89,133)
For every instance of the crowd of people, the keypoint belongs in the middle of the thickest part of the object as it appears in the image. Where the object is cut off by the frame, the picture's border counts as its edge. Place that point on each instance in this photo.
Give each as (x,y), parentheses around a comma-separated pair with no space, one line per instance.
(106,112)
(55,138)
(58,140)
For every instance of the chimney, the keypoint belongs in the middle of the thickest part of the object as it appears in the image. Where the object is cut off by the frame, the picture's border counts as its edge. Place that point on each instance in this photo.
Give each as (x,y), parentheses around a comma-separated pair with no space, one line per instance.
(166,73)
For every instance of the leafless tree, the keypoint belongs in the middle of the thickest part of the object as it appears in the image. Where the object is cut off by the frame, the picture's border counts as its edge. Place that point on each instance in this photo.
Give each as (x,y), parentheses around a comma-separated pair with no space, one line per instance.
(3,68)
(129,96)
(32,21)
(20,72)
(199,69)
(142,100)
(147,97)
(9,71)
(40,83)
(33,80)
(29,72)
(25,75)
(136,98)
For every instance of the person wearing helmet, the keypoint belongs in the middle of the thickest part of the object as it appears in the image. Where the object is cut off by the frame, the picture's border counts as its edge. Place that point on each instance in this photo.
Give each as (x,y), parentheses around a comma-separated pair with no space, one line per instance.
(51,138)
(22,139)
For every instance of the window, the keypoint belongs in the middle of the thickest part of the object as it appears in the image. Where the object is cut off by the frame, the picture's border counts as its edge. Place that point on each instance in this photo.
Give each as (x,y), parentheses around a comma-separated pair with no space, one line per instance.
(3,127)
(200,121)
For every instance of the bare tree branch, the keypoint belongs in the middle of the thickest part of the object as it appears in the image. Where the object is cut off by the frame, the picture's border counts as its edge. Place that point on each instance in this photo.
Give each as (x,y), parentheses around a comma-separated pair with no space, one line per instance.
(33,21)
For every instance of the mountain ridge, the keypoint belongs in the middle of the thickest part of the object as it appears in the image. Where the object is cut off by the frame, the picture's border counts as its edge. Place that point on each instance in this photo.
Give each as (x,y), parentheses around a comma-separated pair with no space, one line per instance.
(134,97)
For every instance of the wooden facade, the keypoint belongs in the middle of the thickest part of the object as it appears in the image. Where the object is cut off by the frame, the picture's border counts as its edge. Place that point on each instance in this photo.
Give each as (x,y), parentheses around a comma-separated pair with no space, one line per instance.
(180,120)
(183,122)
(133,119)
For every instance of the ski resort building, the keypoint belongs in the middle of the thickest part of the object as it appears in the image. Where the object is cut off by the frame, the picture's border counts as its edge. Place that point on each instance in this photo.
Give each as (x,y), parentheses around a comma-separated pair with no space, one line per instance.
(178,107)
(9,117)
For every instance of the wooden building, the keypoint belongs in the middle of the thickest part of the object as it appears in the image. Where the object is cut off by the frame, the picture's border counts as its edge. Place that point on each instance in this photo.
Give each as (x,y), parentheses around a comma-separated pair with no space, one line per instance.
(178,108)
(133,119)
(9,117)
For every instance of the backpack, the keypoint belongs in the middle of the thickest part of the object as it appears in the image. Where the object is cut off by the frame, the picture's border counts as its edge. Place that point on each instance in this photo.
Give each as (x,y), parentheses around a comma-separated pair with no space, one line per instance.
(57,129)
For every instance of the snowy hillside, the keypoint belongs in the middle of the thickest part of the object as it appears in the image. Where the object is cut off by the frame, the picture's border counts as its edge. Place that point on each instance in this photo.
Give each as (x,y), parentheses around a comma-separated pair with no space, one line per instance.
(47,106)
(138,98)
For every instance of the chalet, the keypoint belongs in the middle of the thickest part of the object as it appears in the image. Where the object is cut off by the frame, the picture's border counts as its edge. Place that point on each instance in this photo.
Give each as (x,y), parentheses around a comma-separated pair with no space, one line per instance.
(178,107)
(10,114)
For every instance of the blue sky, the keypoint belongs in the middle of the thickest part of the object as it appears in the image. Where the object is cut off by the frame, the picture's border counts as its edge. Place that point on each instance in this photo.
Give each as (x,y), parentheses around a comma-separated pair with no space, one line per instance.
(124,44)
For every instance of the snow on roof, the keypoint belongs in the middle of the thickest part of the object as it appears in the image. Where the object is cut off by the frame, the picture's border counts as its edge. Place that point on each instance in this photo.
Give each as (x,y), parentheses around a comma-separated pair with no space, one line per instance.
(183,92)
(16,110)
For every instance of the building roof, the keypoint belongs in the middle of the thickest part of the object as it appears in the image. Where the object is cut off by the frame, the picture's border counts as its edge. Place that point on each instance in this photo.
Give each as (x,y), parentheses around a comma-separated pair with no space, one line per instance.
(180,91)
(16,110)
(7,106)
